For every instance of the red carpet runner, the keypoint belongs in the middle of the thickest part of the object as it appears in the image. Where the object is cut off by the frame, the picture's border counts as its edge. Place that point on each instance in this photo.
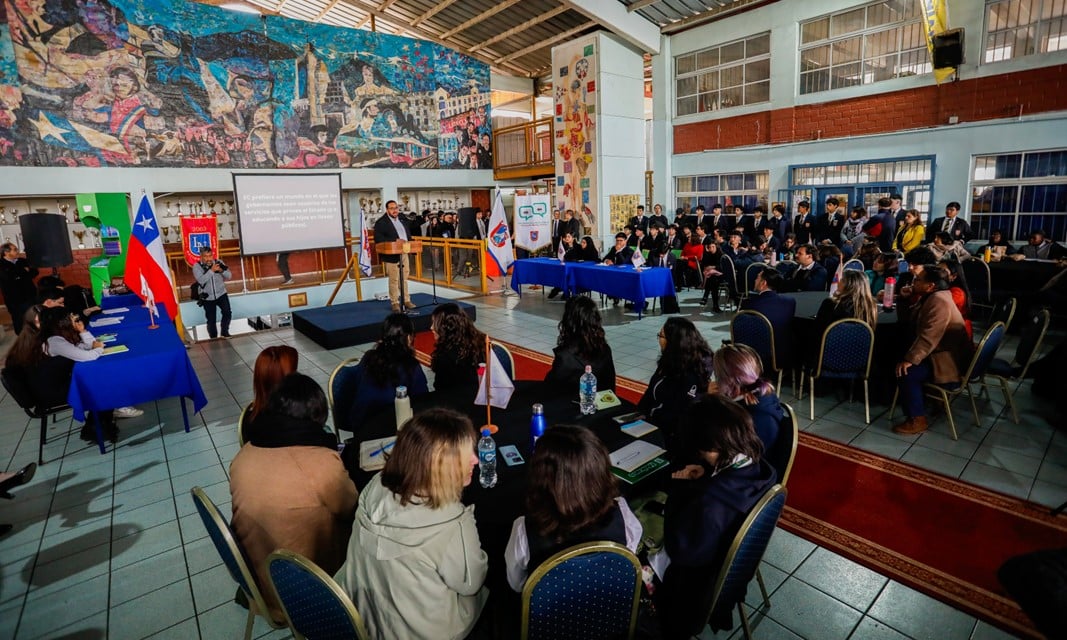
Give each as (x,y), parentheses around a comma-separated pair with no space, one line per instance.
(935,534)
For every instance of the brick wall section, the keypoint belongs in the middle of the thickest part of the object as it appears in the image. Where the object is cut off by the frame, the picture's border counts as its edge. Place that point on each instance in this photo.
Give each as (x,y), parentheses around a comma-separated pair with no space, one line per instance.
(1002,96)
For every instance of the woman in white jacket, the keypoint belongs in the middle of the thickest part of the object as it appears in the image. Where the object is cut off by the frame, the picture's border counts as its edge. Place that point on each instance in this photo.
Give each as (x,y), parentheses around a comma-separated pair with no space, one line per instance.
(415,566)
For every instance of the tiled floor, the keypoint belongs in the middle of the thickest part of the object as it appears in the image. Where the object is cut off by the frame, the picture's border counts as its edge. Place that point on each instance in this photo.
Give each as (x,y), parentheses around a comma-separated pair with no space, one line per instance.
(110,546)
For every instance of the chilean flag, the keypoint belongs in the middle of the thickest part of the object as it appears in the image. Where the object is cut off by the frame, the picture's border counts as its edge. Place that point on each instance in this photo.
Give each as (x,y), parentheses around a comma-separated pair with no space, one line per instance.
(146,265)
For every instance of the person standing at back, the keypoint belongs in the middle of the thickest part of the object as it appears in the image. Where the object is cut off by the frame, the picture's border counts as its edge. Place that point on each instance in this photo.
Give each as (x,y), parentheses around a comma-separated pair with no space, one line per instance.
(211,275)
(16,283)
(391,228)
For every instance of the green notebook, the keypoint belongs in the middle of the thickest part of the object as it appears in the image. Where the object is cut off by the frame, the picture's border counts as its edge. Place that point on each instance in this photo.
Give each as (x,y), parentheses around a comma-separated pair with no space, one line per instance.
(118,348)
(642,472)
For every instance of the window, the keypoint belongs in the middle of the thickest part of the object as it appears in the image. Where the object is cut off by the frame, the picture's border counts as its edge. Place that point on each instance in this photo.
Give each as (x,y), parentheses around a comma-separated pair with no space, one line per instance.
(1018,193)
(1023,27)
(728,75)
(860,46)
(862,183)
(730,189)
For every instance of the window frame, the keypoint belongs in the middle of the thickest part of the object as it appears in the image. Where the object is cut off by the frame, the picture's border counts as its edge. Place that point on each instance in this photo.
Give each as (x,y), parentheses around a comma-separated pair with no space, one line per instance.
(1038,28)
(1019,183)
(724,196)
(697,75)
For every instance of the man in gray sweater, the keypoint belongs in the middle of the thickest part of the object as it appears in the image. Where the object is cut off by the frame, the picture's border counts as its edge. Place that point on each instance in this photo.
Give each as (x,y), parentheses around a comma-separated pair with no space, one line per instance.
(211,275)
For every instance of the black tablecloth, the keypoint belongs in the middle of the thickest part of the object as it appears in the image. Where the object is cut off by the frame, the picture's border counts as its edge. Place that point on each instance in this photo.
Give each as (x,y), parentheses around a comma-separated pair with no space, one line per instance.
(1010,278)
(808,303)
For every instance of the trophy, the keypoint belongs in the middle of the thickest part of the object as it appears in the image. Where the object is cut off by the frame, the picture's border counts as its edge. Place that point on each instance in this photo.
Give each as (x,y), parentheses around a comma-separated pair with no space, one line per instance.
(168,207)
(233,225)
(80,235)
(211,206)
(200,208)
(378,204)
(362,204)
(63,209)
(179,211)
(95,233)
(230,202)
(405,198)
(166,234)
(3,214)
(177,232)
(14,216)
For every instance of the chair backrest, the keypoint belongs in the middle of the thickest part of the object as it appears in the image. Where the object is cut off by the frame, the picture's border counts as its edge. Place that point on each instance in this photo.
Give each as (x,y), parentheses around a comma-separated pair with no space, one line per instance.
(588,591)
(847,348)
(17,386)
(784,450)
(233,556)
(786,267)
(978,279)
(751,271)
(986,351)
(753,329)
(1030,341)
(1004,311)
(506,359)
(344,382)
(854,264)
(50,377)
(747,548)
(726,266)
(242,422)
(315,606)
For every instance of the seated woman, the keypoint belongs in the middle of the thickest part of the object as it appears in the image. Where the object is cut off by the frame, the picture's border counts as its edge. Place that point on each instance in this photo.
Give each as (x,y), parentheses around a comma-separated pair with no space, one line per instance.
(272,365)
(998,245)
(709,264)
(389,364)
(739,376)
(682,373)
(961,293)
(558,516)
(458,349)
(830,257)
(852,299)
(911,234)
(581,342)
(288,485)
(415,566)
(884,266)
(687,269)
(587,251)
(706,504)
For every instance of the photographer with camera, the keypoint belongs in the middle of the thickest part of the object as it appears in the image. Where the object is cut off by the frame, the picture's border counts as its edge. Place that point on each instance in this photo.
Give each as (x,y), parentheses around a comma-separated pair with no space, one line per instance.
(211,276)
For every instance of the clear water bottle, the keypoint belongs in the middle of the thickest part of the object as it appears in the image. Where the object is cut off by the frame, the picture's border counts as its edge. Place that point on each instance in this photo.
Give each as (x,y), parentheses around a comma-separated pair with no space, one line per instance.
(487,460)
(890,291)
(587,392)
(537,425)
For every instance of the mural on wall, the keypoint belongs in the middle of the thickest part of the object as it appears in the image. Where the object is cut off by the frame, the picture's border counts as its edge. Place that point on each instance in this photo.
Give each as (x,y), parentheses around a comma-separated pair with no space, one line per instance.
(160,83)
(574,71)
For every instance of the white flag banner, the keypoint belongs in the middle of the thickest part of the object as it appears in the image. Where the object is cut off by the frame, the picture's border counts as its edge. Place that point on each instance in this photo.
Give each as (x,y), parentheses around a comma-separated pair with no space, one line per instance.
(533,221)
(499,238)
(364,244)
(638,258)
(501,386)
(561,251)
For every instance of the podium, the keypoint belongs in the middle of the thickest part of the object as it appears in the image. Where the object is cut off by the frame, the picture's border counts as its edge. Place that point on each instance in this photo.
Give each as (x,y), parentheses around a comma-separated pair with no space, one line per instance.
(402,248)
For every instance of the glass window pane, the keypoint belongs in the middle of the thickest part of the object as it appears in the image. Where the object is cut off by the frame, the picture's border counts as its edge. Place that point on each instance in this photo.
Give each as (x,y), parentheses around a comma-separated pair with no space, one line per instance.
(815,30)
(683,184)
(684,64)
(1040,165)
(732,52)
(732,76)
(709,101)
(1055,226)
(758,46)
(709,81)
(847,50)
(845,76)
(687,106)
(885,12)
(759,92)
(1044,198)
(750,181)
(734,181)
(915,62)
(815,58)
(1053,35)
(759,70)
(912,36)
(878,69)
(882,43)
(1053,9)
(708,59)
(1003,199)
(707,183)
(731,97)
(687,86)
(847,22)
(814,81)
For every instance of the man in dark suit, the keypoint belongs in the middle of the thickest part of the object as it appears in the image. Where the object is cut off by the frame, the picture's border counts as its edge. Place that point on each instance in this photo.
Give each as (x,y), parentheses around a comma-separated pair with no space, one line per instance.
(889,224)
(719,220)
(779,310)
(390,228)
(780,223)
(809,275)
(834,221)
(557,230)
(655,243)
(951,224)
(699,219)
(804,225)
(640,221)
(16,283)
(571,224)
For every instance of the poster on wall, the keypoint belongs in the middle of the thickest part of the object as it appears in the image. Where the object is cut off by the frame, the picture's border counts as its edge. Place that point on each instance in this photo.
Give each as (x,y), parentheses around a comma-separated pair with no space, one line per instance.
(623,208)
(167,83)
(574,71)
(533,220)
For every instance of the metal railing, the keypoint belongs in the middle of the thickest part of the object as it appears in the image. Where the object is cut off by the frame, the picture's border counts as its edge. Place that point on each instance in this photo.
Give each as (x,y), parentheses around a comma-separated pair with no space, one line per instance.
(524,147)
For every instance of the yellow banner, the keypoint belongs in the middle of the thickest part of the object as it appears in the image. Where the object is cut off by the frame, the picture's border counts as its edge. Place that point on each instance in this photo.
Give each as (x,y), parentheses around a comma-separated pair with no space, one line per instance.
(935,14)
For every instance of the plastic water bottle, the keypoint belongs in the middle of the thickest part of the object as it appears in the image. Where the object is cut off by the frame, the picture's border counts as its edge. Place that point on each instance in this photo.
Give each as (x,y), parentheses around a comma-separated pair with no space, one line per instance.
(887,295)
(487,460)
(537,425)
(402,406)
(587,392)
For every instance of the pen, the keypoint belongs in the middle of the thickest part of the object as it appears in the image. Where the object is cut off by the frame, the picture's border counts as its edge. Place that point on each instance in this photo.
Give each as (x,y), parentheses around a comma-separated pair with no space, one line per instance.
(383,449)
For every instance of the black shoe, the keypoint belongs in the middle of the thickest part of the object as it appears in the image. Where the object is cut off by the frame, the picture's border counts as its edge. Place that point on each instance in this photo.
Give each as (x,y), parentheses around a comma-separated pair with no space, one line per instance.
(716,309)
(4,528)
(88,433)
(553,293)
(703,301)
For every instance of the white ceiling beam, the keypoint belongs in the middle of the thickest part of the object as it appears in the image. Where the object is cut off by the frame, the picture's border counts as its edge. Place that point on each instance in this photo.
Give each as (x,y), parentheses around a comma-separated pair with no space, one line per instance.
(718,13)
(547,43)
(613,16)
(478,18)
(434,10)
(322,14)
(281,3)
(548,15)
(640,4)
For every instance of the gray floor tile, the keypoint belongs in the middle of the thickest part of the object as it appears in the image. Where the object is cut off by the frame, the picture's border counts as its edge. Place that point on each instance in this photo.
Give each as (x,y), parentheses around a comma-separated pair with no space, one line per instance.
(998,479)
(934,460)
(881,444)
(166,607)
(134,580)
(787,551)
(841,578)
(871,629)
(810,613)
(911,613)
(46,613)
(985,631)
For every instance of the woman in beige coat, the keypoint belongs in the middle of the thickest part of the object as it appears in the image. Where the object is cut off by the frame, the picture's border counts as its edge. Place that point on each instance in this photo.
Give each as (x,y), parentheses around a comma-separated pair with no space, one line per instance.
(289,487)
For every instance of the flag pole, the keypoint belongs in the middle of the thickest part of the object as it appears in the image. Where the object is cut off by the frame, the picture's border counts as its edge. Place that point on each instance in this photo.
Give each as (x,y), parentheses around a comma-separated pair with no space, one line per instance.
(151,318)
(489,387)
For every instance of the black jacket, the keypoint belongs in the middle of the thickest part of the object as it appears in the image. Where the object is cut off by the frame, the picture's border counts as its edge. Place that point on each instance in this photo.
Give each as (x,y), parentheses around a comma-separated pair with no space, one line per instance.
(568,367)
(384,231)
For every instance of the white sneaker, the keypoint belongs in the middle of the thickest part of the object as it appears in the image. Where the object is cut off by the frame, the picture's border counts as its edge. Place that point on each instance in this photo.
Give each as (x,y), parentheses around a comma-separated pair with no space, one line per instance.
(128,412)
(289,281)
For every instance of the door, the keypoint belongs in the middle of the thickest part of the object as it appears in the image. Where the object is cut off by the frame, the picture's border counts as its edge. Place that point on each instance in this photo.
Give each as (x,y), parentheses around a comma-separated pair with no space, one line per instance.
(845,197)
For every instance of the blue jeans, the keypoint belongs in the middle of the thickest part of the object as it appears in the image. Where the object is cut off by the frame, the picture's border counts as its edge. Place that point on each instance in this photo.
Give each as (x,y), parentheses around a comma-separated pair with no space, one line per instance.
(223,305)
(911,389)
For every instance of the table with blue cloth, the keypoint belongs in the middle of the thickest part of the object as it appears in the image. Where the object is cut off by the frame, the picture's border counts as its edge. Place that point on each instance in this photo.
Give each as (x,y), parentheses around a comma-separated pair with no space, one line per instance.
(625,282)
(548,272)
(156,366)
(124,300)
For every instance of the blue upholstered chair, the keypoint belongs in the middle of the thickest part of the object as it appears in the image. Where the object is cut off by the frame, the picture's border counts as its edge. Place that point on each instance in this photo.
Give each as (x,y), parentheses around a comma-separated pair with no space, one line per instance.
(316,607)
(786,268)
(1015,371)
(503,354)
(233,556)
(746,551)
(589,591)
(751,271)
(784,450)
(753,329)
(845,354)
(854,264)
(729,278)
(344,381)
(242,424)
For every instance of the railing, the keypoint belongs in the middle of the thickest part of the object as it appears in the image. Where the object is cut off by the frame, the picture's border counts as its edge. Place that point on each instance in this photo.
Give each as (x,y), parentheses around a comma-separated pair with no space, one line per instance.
(523,150)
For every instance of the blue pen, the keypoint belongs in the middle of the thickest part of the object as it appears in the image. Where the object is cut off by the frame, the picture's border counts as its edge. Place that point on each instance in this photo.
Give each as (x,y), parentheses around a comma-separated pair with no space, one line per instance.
(383,449)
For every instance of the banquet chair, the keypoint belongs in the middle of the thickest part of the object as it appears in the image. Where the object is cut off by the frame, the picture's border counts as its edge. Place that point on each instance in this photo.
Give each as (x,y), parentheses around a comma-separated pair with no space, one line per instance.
(589,591)
(845,354)
(976,370)
(18,387)
(1015,371)
(743,558)
(315,606)
(751,271)
(233,556)
(1004,311)
(343,383)
(979,281)
(784,450)
(503,354)
(855,264)
(729,279)
(786,267)
(241,420)
(753,329)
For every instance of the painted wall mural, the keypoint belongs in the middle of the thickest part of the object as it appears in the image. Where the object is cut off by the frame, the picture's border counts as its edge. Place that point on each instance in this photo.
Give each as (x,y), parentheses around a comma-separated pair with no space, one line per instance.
(574,72)
(164,83)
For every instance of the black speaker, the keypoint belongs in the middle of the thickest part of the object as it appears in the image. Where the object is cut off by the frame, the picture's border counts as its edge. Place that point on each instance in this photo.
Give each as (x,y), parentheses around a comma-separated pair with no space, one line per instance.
(465,226)
(948,49)
(46,240)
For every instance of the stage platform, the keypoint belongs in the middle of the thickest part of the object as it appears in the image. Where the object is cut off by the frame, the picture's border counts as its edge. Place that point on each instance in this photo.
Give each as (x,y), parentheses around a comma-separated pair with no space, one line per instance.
(351,323)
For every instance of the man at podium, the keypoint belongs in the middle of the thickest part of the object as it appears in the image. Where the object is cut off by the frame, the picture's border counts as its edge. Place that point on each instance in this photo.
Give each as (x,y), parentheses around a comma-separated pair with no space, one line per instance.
(390,228)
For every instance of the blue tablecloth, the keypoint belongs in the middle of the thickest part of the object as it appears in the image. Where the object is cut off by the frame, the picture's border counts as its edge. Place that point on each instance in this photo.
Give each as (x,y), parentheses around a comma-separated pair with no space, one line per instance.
(135,316)
(156,366)
(125,300)
(624,282)
(545,271)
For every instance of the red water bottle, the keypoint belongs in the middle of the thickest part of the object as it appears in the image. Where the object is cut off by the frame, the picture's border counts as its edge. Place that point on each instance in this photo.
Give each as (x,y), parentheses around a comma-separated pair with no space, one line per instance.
(888,293)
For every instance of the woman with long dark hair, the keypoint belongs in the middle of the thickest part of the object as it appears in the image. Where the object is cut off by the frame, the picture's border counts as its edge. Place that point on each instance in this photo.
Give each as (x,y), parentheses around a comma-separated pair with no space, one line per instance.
(587,251)
(26,348)
(581,342)
(272,365)
(682,373)
(389,364)
(571,498)
(459,348)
